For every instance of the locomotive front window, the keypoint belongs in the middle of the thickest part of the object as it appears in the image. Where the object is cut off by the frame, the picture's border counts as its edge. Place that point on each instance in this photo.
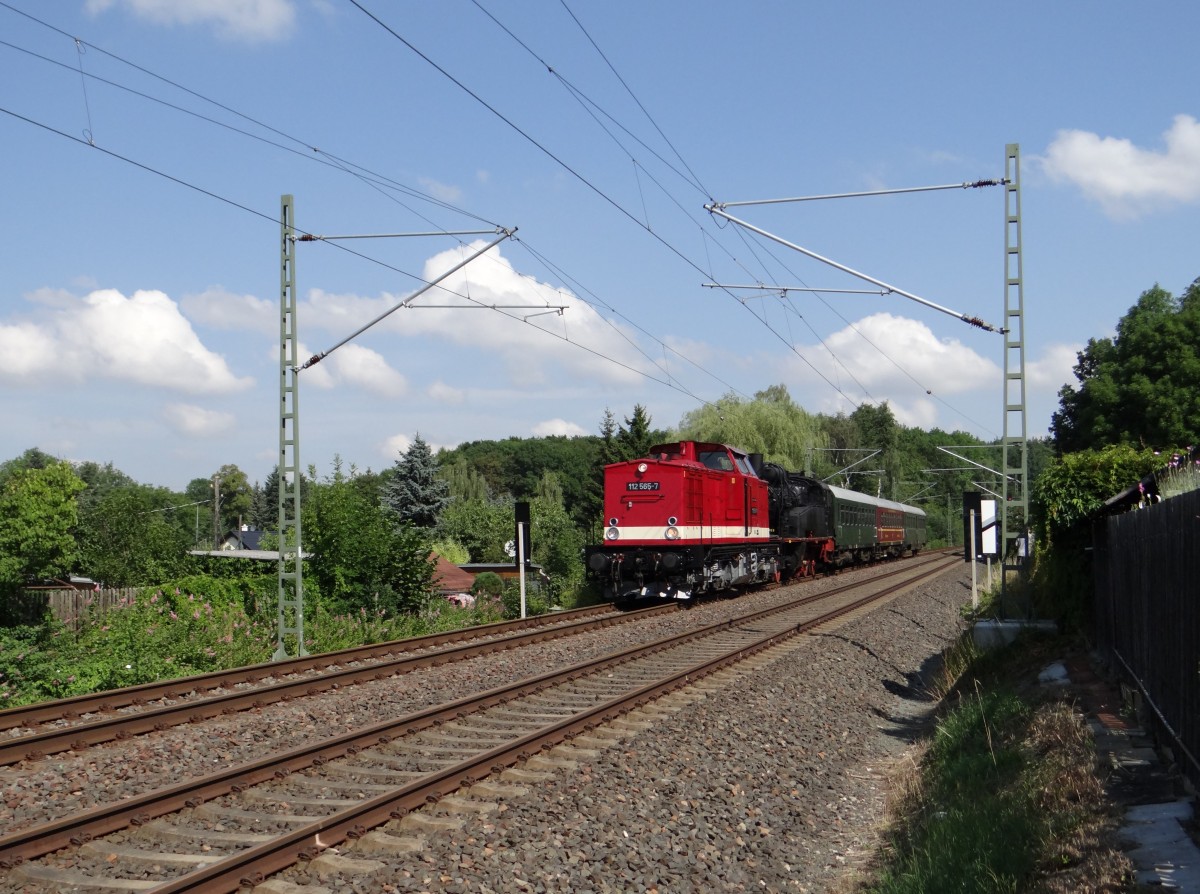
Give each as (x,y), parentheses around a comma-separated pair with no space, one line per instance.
(717,460)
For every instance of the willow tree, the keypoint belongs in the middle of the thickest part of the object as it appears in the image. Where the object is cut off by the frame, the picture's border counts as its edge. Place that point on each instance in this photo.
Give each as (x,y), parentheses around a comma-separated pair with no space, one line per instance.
(771,424)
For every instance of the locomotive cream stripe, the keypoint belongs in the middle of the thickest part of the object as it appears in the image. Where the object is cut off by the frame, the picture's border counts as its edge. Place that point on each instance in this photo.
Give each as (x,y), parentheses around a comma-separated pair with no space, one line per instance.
(691,532)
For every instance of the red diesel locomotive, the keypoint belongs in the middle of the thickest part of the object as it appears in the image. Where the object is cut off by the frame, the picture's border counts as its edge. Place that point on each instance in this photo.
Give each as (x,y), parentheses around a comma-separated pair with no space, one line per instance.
(694,517)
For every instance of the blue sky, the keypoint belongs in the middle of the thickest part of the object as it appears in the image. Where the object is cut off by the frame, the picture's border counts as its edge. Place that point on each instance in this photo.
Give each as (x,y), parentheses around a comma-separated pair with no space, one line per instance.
(147,143)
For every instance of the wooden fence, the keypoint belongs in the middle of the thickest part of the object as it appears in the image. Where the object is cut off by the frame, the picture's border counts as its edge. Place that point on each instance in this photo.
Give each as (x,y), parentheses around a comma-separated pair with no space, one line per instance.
(1148,613)
(72,607)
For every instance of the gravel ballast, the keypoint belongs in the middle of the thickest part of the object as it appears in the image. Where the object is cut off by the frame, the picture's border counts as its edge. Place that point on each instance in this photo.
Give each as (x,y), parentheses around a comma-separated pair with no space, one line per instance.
(776,784)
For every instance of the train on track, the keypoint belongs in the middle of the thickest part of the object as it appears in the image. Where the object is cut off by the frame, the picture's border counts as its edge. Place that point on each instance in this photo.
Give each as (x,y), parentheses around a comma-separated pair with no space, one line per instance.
(695,517)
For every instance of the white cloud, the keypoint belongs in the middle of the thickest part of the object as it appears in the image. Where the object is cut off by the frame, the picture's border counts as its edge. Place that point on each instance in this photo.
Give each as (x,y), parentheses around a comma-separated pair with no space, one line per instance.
(251,20)
(142,339)
(1126,180)
(26,352)
(319,375)
(920,413)
(558,427)
(944,366)
(368,370)
(394,446)
(197,421)
(442,191)
(1055,368)
(519,323)
(222,309)
(446,394)
(349,365)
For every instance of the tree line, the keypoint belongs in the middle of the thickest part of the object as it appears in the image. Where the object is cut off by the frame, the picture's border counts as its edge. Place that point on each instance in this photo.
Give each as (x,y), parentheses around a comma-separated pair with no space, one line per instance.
(371,533)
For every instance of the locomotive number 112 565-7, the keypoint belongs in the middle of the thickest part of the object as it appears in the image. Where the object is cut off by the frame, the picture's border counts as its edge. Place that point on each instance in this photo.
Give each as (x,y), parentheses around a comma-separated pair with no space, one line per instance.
(641,485)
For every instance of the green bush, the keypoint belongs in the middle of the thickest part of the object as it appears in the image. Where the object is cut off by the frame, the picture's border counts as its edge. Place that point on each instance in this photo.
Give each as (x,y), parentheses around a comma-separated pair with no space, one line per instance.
(488,583)
(195,626)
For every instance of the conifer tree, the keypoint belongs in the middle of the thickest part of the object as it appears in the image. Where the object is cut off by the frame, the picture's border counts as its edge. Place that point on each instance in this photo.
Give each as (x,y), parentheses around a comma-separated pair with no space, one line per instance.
(635,438)
(416,493)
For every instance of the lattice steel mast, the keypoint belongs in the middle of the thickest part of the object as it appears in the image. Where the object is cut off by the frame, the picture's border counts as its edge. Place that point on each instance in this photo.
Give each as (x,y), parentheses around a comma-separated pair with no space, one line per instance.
(1014,512)
(291,581)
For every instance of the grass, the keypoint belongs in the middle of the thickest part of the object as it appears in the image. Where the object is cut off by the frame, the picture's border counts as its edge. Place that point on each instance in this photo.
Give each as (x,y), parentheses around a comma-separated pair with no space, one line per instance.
(1003,797)
(164,633)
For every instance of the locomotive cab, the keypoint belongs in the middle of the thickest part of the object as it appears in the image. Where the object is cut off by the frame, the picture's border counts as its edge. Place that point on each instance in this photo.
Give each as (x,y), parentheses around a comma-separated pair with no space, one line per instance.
(683,493)
(684,519)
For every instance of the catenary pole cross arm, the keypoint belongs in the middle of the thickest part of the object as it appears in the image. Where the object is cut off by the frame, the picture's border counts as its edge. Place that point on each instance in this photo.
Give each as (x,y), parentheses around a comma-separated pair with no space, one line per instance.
(313,237)
(970,184)
(317,358)
(783,290)
(966,318)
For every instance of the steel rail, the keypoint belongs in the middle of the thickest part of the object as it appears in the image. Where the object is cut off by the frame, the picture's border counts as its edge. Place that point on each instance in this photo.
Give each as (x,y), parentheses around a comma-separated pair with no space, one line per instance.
(35,746)
(112,699)
(45,838)
(253,865)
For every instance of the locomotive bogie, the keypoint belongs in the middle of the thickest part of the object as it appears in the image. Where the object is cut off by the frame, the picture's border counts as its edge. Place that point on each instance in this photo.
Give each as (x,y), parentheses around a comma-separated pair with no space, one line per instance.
(682,573)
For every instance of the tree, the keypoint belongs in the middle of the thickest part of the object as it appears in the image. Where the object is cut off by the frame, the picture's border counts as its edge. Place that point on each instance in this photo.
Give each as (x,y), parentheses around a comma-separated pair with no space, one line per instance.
(556,545)
(771,424)
(635,438)
(264,515)
(514,467)
(482,526)
(415,492)
(1064,500)
(608,439)
(361,558)
(550,489)
(128,537)
(1141,387)
(236,497)
(464,481)
(38,514)
(33,458)
(100,480)
(878,430)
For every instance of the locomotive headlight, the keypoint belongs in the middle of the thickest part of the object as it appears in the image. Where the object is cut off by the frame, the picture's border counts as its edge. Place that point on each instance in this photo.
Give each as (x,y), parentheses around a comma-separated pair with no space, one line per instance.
(612,534)
(642,467)
(672,533)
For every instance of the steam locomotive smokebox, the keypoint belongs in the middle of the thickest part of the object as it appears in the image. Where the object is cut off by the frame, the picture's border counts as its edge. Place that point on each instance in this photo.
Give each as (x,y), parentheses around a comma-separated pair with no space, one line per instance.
(993,634)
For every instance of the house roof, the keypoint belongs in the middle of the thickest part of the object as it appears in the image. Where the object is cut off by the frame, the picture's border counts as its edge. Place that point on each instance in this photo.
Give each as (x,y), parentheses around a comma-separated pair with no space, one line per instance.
(450,578)
(246,538)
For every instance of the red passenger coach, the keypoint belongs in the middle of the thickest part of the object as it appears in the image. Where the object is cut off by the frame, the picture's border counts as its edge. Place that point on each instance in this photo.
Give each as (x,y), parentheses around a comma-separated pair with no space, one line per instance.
(889,522)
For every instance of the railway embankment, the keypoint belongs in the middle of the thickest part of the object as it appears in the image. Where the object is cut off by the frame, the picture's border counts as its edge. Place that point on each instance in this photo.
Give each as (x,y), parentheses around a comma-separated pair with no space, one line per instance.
(778,773)
(773,778)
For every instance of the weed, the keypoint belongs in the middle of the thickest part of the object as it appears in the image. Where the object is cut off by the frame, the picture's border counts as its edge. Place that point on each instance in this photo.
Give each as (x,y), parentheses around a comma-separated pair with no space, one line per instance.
(1003,796)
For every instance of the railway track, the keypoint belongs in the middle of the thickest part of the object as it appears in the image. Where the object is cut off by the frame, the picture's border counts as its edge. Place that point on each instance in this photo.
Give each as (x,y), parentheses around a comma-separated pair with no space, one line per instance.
(235,827)
(35,731)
